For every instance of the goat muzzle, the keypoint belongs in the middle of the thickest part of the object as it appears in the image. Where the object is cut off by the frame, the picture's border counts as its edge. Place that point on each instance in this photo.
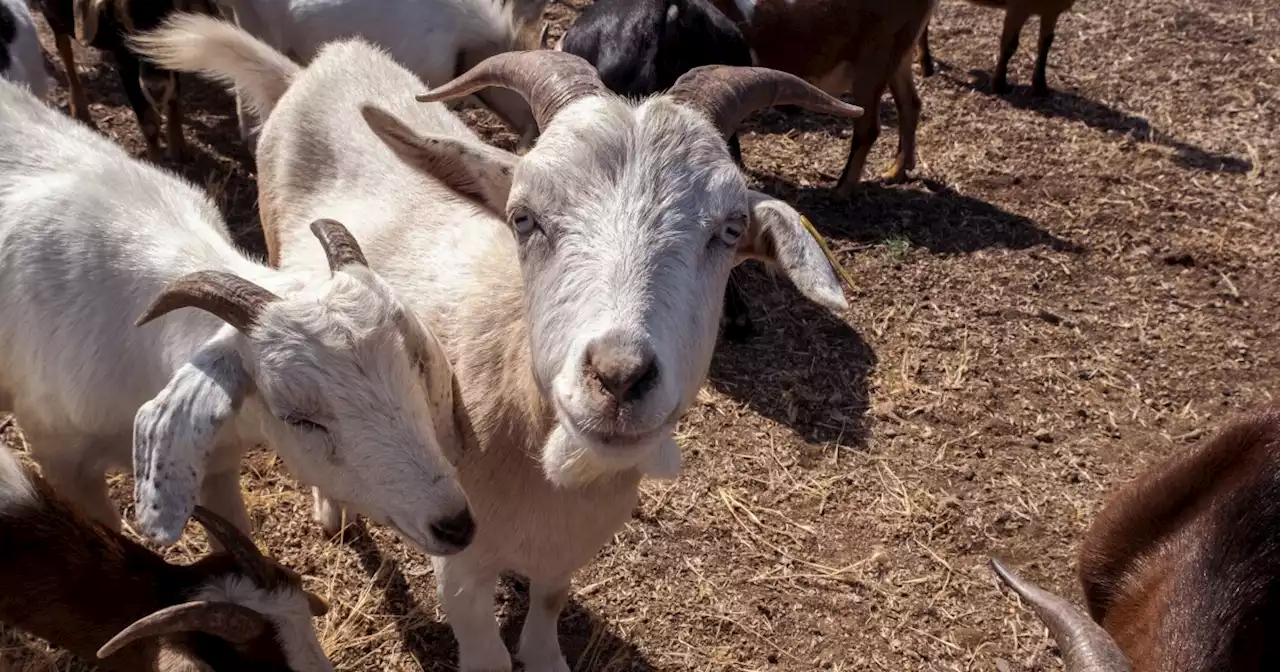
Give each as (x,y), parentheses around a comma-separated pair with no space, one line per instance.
(235,300)
(548,80)
(727,94)
(234,623)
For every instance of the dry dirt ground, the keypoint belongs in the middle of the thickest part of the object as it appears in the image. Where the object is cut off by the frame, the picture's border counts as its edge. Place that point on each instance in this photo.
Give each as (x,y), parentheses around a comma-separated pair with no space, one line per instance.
(1071,289)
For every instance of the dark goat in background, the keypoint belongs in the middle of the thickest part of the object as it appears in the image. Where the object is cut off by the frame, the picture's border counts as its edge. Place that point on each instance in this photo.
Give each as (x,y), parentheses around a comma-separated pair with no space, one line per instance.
(641,47)
(104,25)
(1181,570)
(80,586)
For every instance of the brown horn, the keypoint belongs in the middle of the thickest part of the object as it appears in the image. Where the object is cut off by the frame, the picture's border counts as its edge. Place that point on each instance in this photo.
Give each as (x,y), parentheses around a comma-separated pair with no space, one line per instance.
(249,560)
(235,300)
(548,81)
(232,622)
(728,94)
(1085,646)
(339,245)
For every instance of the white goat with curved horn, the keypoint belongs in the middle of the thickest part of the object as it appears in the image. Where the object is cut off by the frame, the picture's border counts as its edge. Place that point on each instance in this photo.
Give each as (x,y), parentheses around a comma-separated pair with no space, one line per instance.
(577,289)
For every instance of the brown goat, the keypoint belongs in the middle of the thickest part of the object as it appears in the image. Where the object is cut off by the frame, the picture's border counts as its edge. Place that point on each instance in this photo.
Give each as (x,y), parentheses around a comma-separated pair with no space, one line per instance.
(860,47)
(1016,13)
(1181,570)
(71,581)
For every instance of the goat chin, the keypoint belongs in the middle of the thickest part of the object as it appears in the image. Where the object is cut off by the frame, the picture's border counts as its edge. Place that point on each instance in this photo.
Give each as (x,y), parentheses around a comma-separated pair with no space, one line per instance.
(568,463)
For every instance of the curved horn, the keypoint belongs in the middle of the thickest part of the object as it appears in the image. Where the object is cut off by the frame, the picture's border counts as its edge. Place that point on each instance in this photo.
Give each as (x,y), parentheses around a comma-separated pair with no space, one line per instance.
(548,81)
(728,94)
(249,560)
(1085,646)
(339,245)
(232,622)
(235,300)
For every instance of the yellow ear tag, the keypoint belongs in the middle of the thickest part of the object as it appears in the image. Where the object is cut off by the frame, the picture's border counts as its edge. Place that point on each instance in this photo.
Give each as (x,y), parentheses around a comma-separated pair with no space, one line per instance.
(831,258)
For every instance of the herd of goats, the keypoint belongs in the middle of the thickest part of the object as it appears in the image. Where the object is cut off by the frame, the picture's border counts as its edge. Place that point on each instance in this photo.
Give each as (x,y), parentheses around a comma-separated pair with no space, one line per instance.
(537,322)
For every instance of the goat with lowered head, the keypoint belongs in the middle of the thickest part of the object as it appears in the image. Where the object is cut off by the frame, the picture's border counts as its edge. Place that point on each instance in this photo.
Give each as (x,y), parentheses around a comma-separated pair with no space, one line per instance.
(576,288)
(103,25)
(328,366)
(20,57)
(1181,570)
(86,588)
(641,47)
(858,47)
(436,39)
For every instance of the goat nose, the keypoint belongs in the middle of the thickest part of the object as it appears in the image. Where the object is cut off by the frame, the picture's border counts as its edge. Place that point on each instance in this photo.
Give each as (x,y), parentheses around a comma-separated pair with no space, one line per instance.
(626,368)
(457,530)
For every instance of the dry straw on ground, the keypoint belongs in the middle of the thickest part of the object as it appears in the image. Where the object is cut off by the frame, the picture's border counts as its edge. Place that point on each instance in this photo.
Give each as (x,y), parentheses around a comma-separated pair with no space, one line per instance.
(1071,289)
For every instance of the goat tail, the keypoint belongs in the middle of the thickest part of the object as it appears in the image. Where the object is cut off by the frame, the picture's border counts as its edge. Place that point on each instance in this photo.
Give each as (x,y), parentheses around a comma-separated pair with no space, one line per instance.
(224,53)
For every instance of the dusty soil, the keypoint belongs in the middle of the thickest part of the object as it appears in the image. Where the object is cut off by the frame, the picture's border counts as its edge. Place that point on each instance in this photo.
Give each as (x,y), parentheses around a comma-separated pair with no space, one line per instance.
(1071,289)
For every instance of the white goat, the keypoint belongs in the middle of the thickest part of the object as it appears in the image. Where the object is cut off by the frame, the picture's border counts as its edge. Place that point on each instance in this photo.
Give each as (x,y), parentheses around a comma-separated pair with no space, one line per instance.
(327,367)
(20,57)
(577,289)
(436,39)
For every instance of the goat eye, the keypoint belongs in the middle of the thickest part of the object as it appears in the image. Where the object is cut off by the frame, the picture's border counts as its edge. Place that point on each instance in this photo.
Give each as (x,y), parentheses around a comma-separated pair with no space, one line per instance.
(523,222)
(304,424)
(732,229)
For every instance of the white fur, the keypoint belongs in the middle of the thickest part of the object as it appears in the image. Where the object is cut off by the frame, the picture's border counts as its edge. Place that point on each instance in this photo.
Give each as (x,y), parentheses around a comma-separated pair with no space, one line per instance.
(637,195)
(432,38)
(26,65)
(286,608)
(15,488)
(88,237)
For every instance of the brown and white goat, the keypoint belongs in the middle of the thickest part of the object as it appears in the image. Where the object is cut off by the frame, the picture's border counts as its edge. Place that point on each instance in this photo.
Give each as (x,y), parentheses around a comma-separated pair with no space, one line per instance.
(1016,13)
(83,587)
(858,47)
(1181,570)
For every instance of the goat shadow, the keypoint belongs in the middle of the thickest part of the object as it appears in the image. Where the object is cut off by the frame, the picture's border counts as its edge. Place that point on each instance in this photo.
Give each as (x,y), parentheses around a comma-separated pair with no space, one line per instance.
(1063,104)
(588,642)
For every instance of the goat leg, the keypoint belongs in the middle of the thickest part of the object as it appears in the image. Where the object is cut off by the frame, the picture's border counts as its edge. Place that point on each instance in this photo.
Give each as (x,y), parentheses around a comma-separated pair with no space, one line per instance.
(1048,26)
(79,102)
(907,101)
(1014,19)
(923,55)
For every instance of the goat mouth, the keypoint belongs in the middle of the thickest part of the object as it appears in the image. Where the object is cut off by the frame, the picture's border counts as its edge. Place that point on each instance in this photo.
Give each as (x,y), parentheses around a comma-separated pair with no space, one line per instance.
(611,439)
(425,541)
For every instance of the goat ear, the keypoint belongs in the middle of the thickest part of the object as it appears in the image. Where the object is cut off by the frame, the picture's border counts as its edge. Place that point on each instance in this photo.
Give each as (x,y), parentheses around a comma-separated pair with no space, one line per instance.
(444,398)
(472,169)
(174,433)
(85,14)
(777,236)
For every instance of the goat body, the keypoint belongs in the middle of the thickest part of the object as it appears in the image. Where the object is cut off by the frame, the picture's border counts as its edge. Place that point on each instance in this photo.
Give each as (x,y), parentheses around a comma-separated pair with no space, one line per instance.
(1016,13)
(435,39)
(1182,567)
(20,57)
(571,379)
(355,398)
(860,47)
(72,581)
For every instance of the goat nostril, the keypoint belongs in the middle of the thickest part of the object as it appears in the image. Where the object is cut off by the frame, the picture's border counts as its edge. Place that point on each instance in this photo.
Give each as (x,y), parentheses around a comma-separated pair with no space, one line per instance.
(626,370)
(457,530)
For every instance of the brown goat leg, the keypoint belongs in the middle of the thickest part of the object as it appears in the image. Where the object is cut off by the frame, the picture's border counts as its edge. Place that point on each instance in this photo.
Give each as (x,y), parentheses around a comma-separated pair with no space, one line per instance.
(907,101)
(79,102)
(1048,27)
(923,55)
(1014,19)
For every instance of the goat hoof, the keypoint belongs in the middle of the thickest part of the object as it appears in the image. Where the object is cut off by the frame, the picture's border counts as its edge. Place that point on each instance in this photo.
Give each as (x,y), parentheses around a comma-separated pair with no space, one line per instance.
(329,515)
(557,664)
(1001,87)
(895,174)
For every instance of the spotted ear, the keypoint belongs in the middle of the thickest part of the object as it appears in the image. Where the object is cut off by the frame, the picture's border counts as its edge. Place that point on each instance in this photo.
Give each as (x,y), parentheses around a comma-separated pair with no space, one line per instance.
(448,414)
(174,433)
(85,15)
(473,169)
(777,236)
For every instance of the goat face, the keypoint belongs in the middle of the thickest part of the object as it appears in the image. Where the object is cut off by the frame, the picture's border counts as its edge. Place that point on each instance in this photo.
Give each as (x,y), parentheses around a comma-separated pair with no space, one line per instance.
(356,398)
(628,219)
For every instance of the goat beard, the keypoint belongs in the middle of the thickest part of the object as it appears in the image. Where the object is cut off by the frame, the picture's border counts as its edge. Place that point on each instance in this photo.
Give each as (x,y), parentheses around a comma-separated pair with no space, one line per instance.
(570,464)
